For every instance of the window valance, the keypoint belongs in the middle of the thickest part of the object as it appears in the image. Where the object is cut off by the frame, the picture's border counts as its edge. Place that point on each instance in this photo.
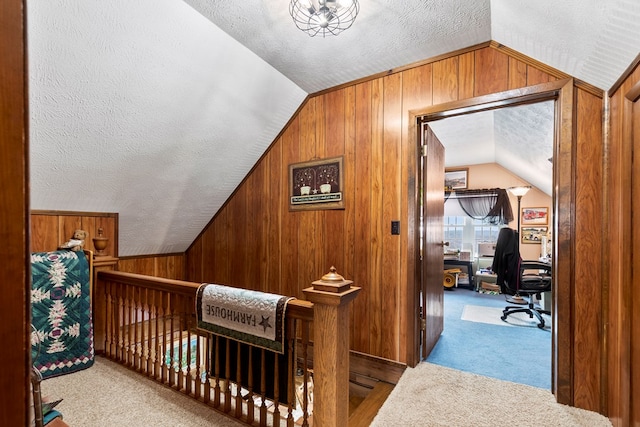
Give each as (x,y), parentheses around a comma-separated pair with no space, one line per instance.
(491,205)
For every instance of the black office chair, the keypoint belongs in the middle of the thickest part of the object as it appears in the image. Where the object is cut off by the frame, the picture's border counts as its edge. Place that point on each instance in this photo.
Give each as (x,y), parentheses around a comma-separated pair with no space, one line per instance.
(520,278)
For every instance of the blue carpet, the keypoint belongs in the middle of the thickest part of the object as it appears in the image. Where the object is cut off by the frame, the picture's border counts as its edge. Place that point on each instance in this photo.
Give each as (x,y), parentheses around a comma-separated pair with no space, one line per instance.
(517,354)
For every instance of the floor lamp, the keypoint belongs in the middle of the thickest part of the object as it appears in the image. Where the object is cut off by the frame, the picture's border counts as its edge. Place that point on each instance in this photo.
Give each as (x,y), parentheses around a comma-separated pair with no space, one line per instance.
(519,192)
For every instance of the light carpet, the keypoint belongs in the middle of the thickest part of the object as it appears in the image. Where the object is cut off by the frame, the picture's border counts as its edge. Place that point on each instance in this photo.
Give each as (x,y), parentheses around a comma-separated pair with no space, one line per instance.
(110,395)
(431,395)
(491,316)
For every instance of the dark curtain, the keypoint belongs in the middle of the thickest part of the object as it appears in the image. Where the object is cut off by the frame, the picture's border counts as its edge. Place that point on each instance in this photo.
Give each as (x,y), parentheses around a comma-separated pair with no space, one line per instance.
(490,205)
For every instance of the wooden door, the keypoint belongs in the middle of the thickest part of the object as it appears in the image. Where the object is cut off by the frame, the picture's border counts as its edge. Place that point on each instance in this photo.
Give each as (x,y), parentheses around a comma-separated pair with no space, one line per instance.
(432,262)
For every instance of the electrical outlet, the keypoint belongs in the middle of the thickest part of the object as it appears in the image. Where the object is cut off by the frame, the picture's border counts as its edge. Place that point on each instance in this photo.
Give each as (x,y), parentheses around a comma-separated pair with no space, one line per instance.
(395,227)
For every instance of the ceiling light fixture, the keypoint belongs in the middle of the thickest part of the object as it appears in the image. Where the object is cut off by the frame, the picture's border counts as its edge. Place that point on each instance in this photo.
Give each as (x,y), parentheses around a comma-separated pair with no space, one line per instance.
(323,17)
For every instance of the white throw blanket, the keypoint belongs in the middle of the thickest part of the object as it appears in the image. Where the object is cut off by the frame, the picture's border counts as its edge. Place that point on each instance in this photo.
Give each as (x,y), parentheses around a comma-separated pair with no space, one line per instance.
(252,317)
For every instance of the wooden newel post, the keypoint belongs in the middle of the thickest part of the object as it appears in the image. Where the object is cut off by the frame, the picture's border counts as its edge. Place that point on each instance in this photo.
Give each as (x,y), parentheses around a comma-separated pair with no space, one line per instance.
(331,296)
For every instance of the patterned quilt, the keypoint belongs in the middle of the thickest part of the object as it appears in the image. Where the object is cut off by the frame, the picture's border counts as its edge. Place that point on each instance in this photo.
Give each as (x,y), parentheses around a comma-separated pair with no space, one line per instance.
(62,328)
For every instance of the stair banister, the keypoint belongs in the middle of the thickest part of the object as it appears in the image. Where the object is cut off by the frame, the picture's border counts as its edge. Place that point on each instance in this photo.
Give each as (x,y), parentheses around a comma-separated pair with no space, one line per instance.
(331,297)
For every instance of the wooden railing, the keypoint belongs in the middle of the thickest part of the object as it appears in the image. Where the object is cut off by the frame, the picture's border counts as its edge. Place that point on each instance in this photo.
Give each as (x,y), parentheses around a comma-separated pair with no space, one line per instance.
(149,325)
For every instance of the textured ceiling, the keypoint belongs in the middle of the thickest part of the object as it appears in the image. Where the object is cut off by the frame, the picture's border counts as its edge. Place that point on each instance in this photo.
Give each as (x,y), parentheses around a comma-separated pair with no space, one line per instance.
(386,34)
(518,138)
(158,109)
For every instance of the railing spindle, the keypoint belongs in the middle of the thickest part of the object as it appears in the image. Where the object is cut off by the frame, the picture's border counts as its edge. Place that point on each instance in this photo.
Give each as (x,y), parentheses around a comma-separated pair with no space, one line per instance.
(263,388)
(239,380)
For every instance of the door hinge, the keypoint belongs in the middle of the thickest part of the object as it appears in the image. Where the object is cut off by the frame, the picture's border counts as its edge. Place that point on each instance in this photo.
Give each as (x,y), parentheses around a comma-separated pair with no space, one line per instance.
(423,150)
(423,324)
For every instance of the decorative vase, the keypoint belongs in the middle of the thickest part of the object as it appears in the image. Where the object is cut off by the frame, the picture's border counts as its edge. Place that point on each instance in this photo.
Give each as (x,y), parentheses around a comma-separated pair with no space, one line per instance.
(325,188)
(305,190)
(100,243)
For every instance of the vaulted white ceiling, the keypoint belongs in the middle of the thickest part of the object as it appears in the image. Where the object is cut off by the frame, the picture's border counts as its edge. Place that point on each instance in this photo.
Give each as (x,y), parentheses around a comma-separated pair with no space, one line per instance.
(157,109)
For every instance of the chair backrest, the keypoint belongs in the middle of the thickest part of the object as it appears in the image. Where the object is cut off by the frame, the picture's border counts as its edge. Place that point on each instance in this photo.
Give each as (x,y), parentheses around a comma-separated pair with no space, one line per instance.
(515,275)
(535,276)
(506,261)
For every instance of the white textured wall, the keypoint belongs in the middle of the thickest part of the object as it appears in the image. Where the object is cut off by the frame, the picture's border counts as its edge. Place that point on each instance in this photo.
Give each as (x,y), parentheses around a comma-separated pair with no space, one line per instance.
(147,109)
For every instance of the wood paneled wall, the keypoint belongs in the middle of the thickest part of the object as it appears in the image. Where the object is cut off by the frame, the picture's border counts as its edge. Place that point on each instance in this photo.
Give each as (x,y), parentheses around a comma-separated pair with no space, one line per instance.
(622,327)
(168,266)
(255,241)
(50,229)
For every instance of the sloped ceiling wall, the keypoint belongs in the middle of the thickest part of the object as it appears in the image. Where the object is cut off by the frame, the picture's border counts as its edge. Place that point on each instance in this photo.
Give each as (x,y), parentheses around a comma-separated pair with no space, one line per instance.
(147,109)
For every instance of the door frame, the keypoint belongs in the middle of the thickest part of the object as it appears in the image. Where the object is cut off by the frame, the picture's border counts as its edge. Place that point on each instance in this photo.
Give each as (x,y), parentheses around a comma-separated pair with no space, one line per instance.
(563,201)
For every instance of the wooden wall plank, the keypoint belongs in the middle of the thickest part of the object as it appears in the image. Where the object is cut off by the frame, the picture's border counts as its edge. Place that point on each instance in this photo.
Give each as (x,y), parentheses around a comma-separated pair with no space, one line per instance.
(445,80)
(238,241)
(333,244)
(194,261)
(536,76)
(67,225)
(466,77)
(208,270)
(617,232)
(517,73)
(308,243)
(221,230)
(290,248)
(350,223)
(375,218)
(491,71)
(276,181)
(588,242)
(360,324)
(44,233)
(391,190)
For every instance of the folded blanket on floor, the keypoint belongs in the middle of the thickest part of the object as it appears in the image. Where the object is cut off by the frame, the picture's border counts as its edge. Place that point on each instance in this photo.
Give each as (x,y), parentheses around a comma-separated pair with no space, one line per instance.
(252,317)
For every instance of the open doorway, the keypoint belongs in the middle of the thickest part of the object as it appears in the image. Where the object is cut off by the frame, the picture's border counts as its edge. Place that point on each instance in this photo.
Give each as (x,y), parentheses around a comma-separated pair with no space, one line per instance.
(561,93)
(500,148)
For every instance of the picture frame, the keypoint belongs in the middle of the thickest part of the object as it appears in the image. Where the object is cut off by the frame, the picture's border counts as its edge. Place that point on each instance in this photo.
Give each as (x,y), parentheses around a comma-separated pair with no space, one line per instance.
(456,179)
(534,216)
(532,234)
(316,184)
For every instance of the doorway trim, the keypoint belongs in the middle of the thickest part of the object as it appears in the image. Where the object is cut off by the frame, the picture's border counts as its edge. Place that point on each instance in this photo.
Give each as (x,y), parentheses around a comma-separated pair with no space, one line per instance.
(563,201)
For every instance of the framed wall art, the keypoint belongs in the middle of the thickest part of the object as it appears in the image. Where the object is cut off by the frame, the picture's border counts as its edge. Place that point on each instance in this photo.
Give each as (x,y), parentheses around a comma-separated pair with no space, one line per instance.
(535,216)
(456,179)
(532,234)
(316,184)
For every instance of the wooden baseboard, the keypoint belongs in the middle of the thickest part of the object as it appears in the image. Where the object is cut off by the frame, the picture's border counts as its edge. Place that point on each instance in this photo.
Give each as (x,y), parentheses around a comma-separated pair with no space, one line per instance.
(365,369)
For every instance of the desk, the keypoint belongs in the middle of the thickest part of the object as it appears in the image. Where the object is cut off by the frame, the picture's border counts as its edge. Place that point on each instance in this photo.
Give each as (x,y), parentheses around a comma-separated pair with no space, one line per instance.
(466,267)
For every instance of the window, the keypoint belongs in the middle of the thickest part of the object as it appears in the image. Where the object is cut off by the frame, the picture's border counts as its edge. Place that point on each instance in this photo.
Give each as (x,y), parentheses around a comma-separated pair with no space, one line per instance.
(454,231)
(464,233)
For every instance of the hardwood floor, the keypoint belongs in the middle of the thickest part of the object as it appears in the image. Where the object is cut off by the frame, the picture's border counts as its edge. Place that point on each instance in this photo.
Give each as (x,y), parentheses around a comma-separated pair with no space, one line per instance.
(363,408)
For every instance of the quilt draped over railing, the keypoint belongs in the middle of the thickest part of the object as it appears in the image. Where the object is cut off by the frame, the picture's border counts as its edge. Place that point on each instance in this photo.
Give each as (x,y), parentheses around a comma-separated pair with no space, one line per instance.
(252,317)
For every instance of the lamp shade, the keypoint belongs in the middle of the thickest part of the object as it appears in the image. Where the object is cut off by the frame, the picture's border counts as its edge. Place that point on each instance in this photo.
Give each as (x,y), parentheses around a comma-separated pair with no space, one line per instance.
(519,191)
